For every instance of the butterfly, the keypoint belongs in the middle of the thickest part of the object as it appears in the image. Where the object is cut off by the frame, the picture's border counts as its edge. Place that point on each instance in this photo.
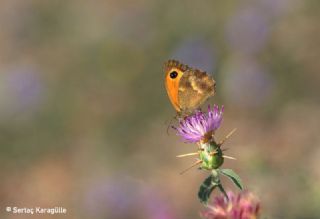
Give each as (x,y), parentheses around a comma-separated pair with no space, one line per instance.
(187,88)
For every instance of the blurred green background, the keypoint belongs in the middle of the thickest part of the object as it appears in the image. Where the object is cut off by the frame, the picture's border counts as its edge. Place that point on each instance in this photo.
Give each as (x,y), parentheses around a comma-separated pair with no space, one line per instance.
(84,112)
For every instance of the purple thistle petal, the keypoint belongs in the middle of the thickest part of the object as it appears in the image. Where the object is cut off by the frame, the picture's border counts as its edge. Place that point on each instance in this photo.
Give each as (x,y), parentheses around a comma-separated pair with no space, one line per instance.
(241,206)
(195,127)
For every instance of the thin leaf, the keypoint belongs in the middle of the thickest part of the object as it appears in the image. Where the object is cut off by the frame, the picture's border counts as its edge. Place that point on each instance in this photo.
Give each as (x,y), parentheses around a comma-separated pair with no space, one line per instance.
(233,176)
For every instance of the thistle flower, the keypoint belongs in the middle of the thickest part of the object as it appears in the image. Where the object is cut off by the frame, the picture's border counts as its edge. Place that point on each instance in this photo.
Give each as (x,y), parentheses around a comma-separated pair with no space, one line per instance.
(242,206)
(200,126)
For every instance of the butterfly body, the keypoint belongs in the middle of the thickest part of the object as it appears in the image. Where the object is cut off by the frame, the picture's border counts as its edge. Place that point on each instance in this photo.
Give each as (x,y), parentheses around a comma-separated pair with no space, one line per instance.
(187,88)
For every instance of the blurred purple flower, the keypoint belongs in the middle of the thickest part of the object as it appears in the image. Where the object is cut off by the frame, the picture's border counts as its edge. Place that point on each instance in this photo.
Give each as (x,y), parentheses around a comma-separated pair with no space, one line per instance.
(272,8)
(247,30)
(22,91)
(241,206)
(200,126)
(247,84)
(26,86)
(155,206)
(196,52)
(121,198)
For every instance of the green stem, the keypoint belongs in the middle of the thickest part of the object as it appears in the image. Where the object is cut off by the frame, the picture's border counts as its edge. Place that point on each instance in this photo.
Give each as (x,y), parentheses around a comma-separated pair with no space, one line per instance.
(216,180)
(223,191)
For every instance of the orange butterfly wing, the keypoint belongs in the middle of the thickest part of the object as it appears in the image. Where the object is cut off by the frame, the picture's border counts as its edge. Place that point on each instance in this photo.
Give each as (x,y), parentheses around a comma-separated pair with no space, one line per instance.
(173,73)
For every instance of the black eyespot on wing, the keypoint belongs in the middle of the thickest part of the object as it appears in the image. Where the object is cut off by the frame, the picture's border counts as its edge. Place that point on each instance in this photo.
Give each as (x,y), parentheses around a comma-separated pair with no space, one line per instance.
(173,74)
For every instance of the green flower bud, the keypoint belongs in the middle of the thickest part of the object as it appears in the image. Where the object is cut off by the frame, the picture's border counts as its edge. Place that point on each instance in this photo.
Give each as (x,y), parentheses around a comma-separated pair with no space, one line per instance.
(211,156)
